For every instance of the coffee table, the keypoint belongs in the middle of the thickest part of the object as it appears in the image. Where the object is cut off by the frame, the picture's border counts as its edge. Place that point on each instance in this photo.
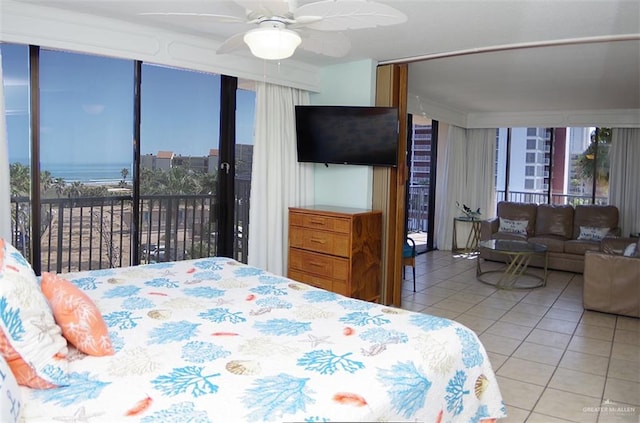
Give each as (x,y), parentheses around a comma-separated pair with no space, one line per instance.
(515,274)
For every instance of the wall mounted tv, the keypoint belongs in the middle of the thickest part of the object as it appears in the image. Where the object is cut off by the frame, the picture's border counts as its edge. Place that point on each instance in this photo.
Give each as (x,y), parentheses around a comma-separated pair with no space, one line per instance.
(355,135)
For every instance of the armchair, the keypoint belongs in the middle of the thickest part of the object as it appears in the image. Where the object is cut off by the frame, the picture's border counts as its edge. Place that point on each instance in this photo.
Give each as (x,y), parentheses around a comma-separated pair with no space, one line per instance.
(611,279)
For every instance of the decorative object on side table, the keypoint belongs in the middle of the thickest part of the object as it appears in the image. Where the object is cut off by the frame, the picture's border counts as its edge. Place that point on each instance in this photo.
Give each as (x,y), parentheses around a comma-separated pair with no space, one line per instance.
(468,212)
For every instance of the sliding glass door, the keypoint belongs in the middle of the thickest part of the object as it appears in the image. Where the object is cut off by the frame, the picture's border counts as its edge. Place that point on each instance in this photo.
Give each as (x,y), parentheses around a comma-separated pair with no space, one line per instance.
(421,160)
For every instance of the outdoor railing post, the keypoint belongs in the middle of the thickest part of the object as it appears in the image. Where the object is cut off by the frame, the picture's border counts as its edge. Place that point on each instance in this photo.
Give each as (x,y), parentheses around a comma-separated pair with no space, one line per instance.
(167,231)
(59,242)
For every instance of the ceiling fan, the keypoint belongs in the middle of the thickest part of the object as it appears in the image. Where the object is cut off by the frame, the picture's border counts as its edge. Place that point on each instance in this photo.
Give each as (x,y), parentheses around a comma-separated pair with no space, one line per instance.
(282,26)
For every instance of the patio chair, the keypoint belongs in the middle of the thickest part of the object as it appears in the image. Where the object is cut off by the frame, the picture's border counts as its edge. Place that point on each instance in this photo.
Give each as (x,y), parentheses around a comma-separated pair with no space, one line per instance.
(409,258)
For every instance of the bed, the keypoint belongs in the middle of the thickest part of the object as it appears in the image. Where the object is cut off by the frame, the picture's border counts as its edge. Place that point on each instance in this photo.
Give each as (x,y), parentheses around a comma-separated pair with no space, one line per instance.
(214,340)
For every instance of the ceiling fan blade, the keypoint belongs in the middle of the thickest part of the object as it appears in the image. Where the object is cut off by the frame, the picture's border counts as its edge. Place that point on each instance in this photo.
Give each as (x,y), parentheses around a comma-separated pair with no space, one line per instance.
(265,7)
(333,44)
(349,14)
(213,16)
(231,44)
(304,21)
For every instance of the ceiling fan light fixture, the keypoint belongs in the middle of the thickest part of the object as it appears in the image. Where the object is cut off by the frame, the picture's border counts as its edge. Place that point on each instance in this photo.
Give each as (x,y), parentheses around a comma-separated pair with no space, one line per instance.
(272,42)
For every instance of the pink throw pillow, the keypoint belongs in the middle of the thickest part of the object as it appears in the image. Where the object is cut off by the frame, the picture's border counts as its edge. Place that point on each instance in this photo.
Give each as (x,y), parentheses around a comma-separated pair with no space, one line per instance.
(81,322)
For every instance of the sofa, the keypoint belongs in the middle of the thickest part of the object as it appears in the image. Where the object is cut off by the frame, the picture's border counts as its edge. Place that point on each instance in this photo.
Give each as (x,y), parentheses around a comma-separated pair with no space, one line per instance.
(567,231)
(612,277)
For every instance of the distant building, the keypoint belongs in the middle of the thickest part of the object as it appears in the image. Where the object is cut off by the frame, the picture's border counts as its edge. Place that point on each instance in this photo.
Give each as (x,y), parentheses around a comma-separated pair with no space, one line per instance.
(420,155)
(166,160)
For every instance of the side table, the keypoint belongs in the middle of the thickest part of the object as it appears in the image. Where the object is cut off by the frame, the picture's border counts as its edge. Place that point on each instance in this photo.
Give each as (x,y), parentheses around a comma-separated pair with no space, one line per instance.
(471,246)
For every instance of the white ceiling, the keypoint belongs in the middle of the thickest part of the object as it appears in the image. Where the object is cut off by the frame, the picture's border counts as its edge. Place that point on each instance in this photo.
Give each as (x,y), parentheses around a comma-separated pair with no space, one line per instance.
(481,56)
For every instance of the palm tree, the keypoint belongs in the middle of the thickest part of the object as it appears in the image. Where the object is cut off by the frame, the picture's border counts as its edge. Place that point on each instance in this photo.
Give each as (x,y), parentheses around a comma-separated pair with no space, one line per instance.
(19,179)
(46,182)
(59,184)
(75,189)
(124,172)
(595,161)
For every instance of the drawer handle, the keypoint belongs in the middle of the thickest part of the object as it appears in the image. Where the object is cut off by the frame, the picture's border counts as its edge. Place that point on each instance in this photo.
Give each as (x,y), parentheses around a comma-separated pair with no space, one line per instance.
(317,222)
(317,241)
(313,263)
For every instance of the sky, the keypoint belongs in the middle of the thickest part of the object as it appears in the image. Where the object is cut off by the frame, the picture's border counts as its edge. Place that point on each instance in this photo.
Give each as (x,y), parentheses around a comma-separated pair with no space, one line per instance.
(87,108)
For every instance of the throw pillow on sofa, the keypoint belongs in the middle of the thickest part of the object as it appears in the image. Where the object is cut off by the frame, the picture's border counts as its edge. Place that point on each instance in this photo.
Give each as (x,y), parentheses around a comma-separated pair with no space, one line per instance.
(590,233)
(513,226)
(630,251)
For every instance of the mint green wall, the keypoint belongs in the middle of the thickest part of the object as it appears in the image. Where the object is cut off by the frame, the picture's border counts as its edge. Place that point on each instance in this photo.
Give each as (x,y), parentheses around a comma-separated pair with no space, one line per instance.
(350,84)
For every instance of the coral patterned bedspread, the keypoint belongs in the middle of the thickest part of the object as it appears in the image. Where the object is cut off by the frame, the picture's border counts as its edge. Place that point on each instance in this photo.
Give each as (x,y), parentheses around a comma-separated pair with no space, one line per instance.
(214,340)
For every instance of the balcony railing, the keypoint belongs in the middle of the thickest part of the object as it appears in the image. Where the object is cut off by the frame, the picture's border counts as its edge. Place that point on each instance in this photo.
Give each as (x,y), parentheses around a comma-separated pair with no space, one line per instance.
(417,211)
(541,198)
(95,232)
(87,233)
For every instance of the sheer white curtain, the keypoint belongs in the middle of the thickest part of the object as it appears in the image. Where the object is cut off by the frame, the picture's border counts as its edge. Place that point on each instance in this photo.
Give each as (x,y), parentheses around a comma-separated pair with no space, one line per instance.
(452,185)
(5,190)
(624,177)
(467,178)
(278,181)
(481,155)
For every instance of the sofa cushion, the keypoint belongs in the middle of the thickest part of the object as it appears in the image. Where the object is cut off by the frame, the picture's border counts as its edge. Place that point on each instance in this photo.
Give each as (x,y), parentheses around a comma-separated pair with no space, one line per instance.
(594,216)
(519,211)
(578,246)
(554,243)
(554,220)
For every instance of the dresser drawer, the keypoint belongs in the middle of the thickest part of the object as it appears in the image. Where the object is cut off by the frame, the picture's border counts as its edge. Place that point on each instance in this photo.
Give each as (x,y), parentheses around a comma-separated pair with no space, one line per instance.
(339,287)
(333,243)
(318,264)
(325,223)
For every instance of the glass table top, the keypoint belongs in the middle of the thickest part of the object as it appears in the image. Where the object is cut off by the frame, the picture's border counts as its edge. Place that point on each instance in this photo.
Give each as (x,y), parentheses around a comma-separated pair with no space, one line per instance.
(513,246)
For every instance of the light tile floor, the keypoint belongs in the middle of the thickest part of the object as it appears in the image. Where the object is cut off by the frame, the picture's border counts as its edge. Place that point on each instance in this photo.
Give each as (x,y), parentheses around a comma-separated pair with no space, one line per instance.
(554,361)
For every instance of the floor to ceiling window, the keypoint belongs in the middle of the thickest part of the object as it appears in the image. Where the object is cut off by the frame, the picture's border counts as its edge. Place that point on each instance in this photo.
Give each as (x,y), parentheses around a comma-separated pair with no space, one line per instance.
(86,122)
(125,175)
(245,113)
(553,165)
(180,122)
(15,72)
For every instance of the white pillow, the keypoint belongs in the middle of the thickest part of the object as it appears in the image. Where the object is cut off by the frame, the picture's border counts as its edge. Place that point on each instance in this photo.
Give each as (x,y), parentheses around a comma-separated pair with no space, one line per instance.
(590,233)
(10,402)
(30,341)
(630,251)
(513,226)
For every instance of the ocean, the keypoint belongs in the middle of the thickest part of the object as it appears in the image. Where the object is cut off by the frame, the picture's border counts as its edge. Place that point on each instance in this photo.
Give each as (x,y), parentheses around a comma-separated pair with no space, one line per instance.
(97,173)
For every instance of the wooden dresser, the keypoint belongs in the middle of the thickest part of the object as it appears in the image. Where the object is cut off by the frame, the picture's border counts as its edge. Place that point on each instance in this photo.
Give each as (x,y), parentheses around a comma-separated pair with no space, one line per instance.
(337,249)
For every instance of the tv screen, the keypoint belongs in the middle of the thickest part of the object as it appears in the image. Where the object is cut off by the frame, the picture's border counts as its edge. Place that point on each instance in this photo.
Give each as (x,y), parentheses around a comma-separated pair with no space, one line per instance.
(355,135)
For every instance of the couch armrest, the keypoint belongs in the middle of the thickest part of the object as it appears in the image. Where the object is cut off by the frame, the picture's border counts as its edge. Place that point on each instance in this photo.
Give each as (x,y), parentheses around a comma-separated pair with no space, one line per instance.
(611,284)
(615,245)
(488,227)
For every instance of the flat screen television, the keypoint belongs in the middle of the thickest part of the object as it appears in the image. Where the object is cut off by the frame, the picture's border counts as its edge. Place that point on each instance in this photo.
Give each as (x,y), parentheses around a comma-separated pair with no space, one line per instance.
(354,135)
